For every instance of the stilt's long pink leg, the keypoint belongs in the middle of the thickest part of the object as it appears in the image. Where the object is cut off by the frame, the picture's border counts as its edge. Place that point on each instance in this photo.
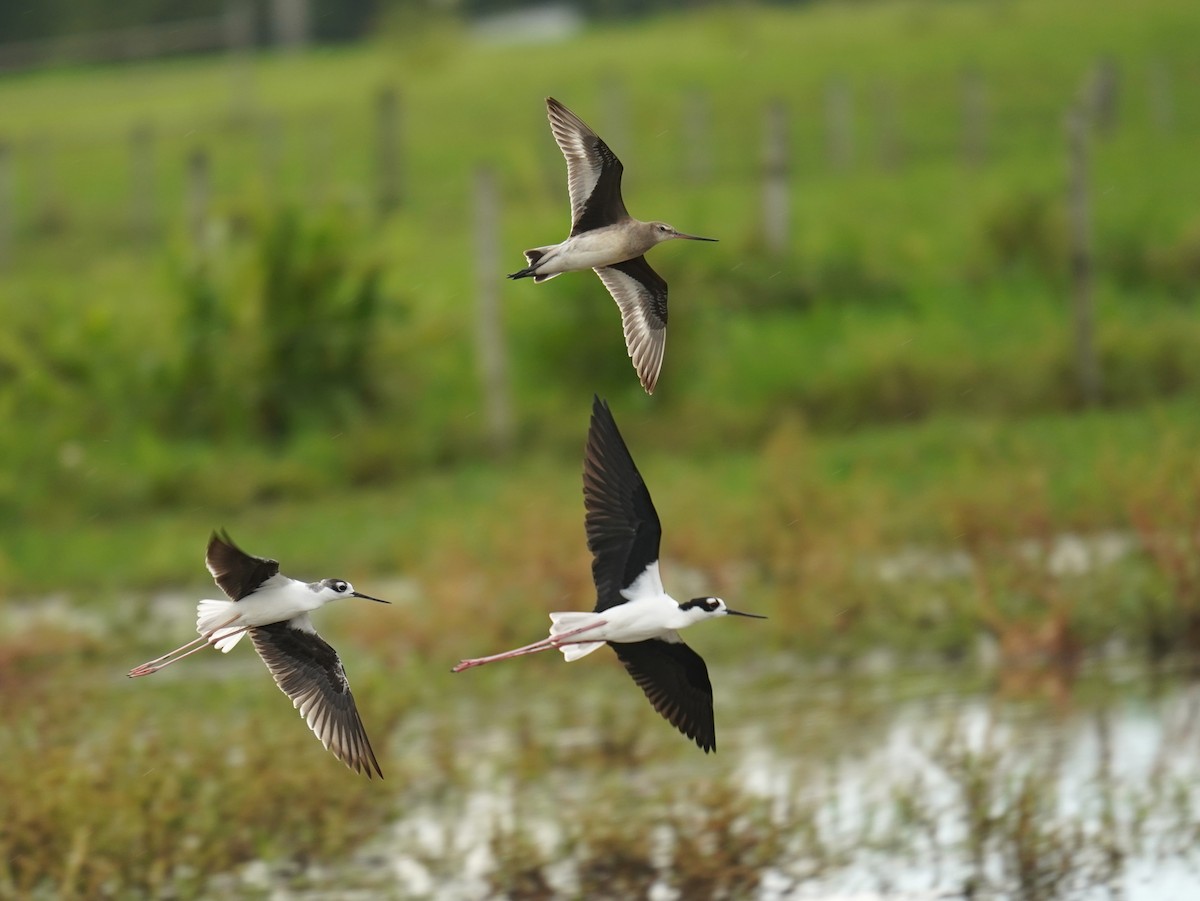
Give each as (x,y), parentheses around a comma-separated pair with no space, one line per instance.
(153,666)
(507,655)
(516,652)
(194,641)
(545,644)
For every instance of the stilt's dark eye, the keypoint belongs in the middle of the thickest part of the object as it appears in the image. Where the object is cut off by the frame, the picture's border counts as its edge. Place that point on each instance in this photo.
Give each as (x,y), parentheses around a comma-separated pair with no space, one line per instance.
(339,586)
(711,604)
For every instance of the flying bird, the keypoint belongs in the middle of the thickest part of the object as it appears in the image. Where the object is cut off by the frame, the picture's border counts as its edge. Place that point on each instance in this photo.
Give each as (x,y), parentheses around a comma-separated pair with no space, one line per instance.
(605,238)
(634,615)
(273,610)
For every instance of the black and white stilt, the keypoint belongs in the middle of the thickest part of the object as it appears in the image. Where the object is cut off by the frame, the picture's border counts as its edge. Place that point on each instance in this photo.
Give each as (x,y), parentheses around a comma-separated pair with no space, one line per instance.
(633,613)
(273,610)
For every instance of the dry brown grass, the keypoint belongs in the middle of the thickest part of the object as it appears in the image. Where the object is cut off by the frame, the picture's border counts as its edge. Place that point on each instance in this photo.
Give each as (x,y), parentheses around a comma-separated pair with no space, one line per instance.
(1167,525)
(110,791)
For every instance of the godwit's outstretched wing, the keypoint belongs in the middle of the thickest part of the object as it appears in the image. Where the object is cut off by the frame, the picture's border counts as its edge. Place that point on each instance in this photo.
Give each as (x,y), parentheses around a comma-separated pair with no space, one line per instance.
(593,171)
(641,293)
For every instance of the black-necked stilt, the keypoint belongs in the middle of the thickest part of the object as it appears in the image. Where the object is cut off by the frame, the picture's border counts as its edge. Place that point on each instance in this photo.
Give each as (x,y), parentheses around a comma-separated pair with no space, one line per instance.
(604,237)
(273,610)
(633,613)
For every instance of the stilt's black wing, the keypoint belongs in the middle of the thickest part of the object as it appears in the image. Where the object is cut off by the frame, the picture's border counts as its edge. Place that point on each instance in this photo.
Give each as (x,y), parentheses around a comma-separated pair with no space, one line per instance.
(593,171)
(307,669)
(675,679)
(236,572)
(623,531)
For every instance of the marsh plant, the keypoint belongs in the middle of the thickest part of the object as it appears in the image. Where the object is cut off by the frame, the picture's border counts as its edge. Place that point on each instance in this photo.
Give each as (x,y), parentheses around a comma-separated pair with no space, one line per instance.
(1168,531)
(281,334)
(823,782)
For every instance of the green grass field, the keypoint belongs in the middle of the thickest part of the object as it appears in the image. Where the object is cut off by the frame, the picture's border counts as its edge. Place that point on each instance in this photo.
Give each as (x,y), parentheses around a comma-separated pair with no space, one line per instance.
(930,293)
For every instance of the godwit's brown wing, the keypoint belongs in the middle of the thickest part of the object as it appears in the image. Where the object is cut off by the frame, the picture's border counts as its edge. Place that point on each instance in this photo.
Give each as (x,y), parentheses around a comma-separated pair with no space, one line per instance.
(307,669)
(641,293)
(593,171)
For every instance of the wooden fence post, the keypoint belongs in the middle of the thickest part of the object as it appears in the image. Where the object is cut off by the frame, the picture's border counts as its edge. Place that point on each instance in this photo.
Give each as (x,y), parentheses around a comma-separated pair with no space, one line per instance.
(199,200)
(891,149)
(239,41)
(839,119)
(387,151)
(143,214)
(775,178)
(697,134)
(1082,260)
(490,346)
(7,205)
(271,152)
(1162,97)
(290,21)
(615,116)
(320,163)
(975,118)
(1105,95)
(49,215)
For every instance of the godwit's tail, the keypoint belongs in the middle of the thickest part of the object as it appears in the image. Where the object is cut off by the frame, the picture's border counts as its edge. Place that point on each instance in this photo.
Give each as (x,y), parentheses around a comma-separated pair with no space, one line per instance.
(533,257)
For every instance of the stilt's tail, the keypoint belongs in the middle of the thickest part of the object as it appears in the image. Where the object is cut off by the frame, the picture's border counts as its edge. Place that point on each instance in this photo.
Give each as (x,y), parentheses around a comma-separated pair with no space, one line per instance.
(567,621)
(213,616)
(533,257)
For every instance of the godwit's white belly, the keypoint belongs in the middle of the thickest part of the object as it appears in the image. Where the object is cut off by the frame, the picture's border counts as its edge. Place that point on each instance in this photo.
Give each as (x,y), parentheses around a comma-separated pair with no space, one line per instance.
(591,250)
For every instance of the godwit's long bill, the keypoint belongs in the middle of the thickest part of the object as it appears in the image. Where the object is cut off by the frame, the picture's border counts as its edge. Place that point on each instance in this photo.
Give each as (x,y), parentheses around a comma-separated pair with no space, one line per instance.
(633,613)
(604,237)
(273,610)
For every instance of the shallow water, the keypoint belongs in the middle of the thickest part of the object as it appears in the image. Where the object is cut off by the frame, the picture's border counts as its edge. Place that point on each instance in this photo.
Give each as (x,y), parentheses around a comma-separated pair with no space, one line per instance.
(900,784)
(871,781)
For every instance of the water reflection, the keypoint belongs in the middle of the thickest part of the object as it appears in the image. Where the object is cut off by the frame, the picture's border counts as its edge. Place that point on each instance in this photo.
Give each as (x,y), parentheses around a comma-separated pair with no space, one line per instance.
(836,786)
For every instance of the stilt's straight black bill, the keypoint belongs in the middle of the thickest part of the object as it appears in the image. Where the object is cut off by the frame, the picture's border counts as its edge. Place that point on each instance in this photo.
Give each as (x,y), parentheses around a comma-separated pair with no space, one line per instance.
(739,613)
(367,597)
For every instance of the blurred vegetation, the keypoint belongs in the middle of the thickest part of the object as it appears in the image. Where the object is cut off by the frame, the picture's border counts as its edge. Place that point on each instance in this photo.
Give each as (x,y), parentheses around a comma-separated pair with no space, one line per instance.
(329,19)
(905,367)
(210,785)
(929,288)
(287,347)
